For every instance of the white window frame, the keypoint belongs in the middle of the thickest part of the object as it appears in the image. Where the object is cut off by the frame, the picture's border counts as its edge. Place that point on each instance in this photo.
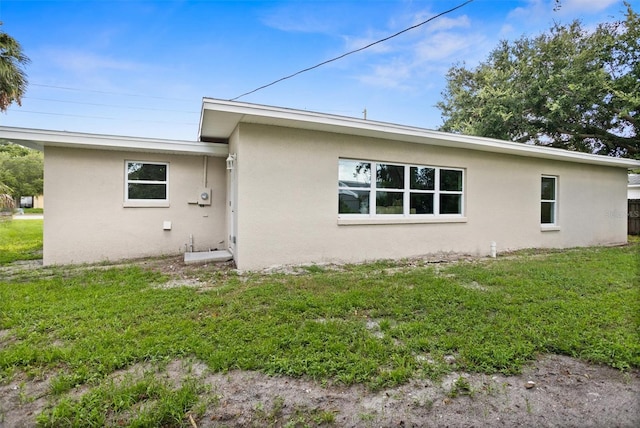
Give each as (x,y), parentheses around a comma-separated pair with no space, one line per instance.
(554,224)
(145,203)
(406,216)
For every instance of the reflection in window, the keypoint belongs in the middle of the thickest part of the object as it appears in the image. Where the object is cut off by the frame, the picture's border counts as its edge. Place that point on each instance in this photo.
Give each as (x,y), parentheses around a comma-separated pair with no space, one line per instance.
(146,181)
(398,189)
(352,177)
(389,176)
(389,202)
(548,200)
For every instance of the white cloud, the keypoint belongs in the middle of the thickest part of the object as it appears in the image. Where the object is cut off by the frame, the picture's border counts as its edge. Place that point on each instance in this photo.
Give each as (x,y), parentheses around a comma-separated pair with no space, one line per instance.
(592,6)
(390,75)
(548,10)
(445,23)
(446,46)
(304,17)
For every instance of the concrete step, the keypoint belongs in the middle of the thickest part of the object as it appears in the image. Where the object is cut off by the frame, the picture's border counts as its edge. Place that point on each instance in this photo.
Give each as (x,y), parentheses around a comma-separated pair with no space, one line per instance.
(207,257)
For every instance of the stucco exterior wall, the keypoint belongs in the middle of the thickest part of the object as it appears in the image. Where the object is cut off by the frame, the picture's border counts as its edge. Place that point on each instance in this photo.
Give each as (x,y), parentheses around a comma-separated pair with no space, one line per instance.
(86,220)
(288,201)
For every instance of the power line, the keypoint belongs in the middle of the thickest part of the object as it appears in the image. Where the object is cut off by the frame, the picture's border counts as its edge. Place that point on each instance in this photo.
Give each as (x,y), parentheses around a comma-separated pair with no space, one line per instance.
(353,51)
(67,88)
(109,105)
(102,117)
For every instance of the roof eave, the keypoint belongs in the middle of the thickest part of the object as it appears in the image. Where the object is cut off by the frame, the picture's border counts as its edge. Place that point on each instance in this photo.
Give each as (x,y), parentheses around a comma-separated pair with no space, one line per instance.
(232,113)
(38,139)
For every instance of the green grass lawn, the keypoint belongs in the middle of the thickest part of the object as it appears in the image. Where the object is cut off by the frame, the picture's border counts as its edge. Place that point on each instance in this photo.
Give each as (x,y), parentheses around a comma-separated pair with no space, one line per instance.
(378,324)
(20,240)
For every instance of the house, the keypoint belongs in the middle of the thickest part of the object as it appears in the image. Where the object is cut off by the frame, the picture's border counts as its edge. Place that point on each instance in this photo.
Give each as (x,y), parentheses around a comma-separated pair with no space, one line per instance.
(32,201)
(277,186)
(633,188)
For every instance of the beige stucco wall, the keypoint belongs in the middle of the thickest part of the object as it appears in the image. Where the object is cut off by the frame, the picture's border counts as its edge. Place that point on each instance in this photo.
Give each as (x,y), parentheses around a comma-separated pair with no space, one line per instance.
(86,221)
(288,201)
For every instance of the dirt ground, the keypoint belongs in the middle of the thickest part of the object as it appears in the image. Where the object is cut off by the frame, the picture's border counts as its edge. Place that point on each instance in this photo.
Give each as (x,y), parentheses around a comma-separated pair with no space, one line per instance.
(554,391)
(566,393)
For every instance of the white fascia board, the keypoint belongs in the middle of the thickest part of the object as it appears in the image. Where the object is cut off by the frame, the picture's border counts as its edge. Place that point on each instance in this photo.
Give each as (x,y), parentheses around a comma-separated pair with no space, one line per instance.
(267,115)
(40,138)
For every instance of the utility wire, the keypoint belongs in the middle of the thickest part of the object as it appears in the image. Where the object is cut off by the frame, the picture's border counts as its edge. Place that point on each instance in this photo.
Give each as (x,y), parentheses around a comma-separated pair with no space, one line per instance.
(353,51)
(109,105)
(103,117)
(107,92)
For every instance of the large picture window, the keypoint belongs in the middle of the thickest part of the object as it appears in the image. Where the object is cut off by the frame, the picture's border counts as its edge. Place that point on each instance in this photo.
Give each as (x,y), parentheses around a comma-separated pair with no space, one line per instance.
(146,183)
(548,200)
(380,189)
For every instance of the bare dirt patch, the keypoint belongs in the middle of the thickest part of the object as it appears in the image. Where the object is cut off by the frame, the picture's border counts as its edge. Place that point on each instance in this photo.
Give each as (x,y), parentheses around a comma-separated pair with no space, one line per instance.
(565,393)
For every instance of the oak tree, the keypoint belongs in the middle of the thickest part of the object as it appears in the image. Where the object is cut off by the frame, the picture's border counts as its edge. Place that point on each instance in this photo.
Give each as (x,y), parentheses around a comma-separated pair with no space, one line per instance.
(570,87)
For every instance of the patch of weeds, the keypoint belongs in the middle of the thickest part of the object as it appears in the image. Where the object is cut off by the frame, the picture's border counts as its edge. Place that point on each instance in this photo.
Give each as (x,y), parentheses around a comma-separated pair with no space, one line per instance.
(528,403)
(272,415)
(146,401)
(367,417)
(300,416)
(23,396)
(324,417)
(425,403)
(314,268)
(304,417)
(461,387)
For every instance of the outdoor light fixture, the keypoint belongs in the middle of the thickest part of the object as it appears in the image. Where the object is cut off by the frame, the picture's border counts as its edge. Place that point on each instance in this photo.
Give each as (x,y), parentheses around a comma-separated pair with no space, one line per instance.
(231,160)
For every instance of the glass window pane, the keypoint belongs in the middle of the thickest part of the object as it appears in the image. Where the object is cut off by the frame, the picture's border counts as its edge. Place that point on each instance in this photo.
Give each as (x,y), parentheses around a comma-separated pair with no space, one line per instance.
(421,203)
(422,178)
(548,188)
(147,191)
(390,176)
(547,214)
(146,171)
(450,204)
(354,173)
(389,202)
(353,201)
(451,180)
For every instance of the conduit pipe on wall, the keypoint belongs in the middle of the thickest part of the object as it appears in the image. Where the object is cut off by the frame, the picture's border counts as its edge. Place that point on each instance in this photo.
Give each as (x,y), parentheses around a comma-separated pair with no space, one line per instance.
(493,249)
(205,162)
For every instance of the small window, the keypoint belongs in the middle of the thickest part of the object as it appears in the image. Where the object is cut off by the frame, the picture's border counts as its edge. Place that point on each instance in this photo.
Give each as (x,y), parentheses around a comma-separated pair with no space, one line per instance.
(548,200)
(146,183)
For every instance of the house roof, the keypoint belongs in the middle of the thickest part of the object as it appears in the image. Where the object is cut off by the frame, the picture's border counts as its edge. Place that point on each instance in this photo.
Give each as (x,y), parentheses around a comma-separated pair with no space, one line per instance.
(634,180)
(219,118)
(39,138)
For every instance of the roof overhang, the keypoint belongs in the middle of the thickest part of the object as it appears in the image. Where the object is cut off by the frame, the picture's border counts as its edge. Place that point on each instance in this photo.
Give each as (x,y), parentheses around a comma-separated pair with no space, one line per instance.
(39,139)
(219,118)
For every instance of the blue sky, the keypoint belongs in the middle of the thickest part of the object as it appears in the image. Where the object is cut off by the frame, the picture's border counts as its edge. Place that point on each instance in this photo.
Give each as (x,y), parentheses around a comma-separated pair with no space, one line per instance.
(141,68)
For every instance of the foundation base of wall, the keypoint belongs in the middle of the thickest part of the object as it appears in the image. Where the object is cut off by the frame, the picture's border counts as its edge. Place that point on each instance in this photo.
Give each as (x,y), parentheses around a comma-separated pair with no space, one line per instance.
(207,257)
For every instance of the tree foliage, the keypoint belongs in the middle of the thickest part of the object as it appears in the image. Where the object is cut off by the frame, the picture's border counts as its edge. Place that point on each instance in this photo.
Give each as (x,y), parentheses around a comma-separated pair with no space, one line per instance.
(570,88)
(13,79)
(21,170)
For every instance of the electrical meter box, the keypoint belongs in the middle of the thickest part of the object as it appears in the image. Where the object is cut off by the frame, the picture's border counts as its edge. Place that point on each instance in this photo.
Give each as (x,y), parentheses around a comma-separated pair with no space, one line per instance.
(204,197)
